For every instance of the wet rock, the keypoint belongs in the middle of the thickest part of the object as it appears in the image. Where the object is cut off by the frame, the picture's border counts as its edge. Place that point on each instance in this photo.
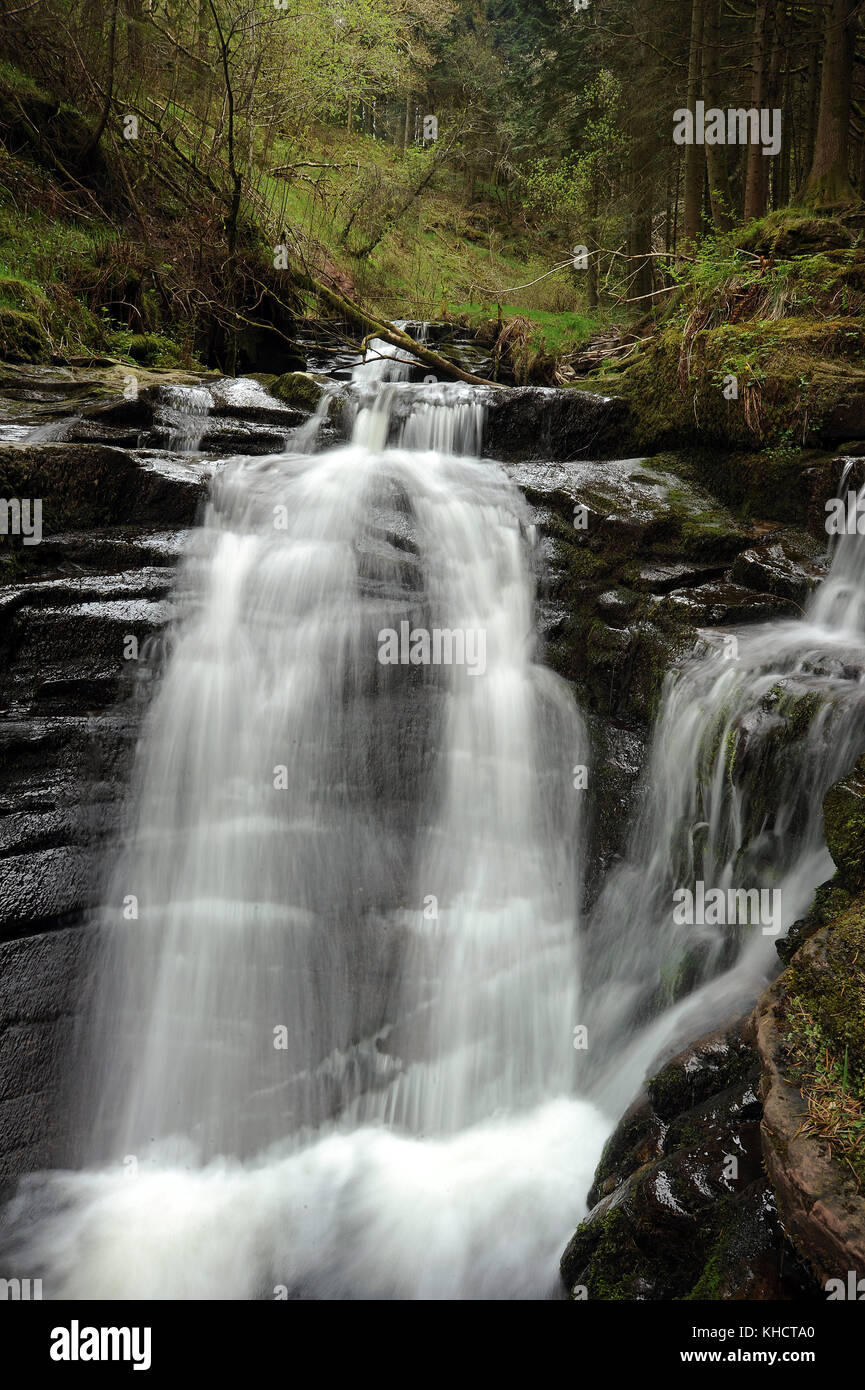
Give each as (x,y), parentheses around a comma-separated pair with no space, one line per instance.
(83,485)
(46,887)
(40,984)
(661,578)
(681,1209)
(627,543)
(636,1141)
(723,603)
(704,1069)
(133,410)
(616,606)
(543,423)
(635,503)
(229,440)
(616,762)
(781,568)
(70,703)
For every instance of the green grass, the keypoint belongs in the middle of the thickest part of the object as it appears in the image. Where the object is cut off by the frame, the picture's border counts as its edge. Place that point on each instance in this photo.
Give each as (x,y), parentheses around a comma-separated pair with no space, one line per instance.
(559,333)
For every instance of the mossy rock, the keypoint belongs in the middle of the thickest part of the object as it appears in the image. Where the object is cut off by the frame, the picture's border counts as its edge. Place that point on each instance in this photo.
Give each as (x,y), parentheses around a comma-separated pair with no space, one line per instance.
(684,1223)
(795,232)
(830,900)
(147,349)
(810,1029)
(299,389)
(844,824)
(800,383)
(22,338)
(826,982)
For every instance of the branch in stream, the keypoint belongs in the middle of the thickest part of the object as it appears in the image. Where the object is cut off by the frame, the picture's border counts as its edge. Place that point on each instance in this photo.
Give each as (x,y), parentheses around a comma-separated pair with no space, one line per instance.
(375,328)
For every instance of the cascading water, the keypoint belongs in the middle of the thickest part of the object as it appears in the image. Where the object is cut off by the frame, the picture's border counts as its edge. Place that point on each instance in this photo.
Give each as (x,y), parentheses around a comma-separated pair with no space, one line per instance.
(333,1037)
(750,736)
(334,1034)
(183,412)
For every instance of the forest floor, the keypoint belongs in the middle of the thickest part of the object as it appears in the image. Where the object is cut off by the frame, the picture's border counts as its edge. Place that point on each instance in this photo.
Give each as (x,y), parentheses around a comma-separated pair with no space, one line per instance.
(754,345)
(103,256)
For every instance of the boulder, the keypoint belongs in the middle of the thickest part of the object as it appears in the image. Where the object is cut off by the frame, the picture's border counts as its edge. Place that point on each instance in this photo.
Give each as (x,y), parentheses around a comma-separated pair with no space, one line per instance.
(680,1206)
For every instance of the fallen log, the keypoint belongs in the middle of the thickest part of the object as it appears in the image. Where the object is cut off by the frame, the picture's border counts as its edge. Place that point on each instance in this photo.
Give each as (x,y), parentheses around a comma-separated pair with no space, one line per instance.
(376,328)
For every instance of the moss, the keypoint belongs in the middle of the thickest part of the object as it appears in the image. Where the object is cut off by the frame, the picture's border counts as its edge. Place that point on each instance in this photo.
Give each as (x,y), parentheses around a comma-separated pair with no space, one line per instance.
(299,389)
(830,901)
(22,338)
(147,349)
(844,825)
(822,1024)
(605,1257)
(793,376)
(720,1254)
(791,231)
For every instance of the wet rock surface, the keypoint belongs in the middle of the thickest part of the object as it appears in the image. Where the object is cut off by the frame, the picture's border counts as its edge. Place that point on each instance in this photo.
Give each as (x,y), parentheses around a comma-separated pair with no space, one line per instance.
(640,566)
(78,613)
(680,1207)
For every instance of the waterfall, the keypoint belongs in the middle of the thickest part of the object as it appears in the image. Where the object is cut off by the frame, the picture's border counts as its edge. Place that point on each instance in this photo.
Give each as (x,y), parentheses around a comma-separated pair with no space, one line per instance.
(183,410)
(332,1052)
(333,1039)
(751,734)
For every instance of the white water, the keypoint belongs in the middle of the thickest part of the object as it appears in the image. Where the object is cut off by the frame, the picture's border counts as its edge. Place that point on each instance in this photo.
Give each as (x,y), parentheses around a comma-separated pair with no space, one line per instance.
(418,1136)
(743,753)
(401,909)
(184,410)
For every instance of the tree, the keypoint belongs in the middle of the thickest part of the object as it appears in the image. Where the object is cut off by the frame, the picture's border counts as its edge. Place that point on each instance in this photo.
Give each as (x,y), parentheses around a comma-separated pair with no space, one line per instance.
(829,179)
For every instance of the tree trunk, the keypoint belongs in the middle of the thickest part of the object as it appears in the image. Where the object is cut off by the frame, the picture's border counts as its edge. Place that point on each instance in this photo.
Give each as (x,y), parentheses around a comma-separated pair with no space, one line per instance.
(592,240)
(756,165)
(695,155)
(829,180)
(716,155)
(781,172)
(812,97)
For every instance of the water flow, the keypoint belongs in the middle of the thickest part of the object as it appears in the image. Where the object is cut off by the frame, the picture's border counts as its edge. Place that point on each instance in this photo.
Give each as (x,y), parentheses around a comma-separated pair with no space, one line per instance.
(750,736)
(183,410)
(335,1041)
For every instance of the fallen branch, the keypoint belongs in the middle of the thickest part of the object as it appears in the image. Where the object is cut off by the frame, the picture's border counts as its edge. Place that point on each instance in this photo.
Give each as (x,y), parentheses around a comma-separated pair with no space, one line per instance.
(376,328)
